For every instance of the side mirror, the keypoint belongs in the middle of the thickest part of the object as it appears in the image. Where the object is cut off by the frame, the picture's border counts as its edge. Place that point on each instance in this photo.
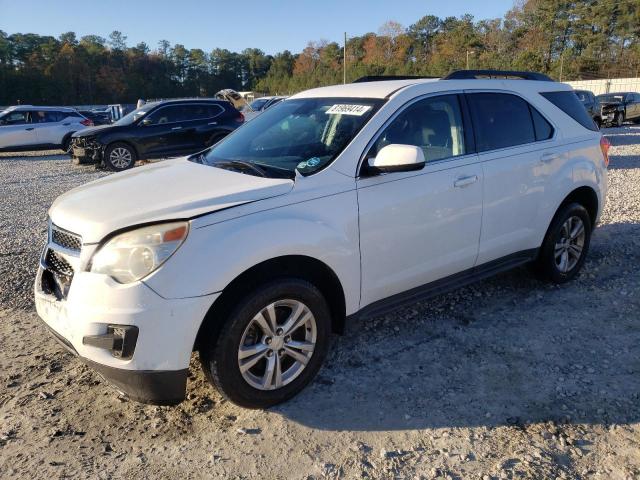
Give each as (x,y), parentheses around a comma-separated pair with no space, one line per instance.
(397,158)
(145,122)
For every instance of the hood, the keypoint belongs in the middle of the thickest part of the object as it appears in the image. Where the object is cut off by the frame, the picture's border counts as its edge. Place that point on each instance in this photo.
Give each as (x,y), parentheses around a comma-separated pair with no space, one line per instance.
(90,131)
(167,190)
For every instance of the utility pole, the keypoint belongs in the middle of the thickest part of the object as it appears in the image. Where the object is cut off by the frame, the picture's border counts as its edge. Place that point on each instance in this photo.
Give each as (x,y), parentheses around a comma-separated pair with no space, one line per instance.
(344,60)
(468,52)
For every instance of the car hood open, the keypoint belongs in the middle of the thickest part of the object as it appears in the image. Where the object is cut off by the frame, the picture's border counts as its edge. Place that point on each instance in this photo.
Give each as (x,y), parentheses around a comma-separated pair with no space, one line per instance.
(167,190)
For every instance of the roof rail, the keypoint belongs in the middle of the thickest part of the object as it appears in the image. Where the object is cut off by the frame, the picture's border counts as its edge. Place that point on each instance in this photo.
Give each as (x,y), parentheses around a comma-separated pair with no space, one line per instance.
(381,78)
(503,74)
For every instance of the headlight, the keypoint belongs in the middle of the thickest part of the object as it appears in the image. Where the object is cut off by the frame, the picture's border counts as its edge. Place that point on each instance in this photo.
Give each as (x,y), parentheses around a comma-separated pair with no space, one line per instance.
(133,255)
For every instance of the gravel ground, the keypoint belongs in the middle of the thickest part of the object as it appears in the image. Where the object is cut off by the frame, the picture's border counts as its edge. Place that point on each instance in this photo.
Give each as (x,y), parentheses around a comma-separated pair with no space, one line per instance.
(509,378)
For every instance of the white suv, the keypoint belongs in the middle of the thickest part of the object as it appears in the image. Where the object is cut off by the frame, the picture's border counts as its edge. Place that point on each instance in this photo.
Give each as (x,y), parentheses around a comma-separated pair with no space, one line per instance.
(26,127)
(340,201)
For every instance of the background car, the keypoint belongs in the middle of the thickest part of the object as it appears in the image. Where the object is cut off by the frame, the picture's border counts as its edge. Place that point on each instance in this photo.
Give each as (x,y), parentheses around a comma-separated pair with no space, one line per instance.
(259,105)
(157,129)
(620,107)
(97,117)
(592,104)
(27,127)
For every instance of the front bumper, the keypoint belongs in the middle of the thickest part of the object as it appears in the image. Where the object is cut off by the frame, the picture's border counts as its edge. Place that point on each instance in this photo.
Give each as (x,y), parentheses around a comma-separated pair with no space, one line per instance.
(156,371)
(86,150)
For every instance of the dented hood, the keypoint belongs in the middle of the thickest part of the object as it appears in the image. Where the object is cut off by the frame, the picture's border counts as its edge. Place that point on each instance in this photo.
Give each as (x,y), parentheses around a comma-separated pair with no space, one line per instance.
(167,190)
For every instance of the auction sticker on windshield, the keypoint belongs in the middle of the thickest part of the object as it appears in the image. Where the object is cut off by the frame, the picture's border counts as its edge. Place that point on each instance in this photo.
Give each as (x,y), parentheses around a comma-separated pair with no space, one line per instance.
(346,109)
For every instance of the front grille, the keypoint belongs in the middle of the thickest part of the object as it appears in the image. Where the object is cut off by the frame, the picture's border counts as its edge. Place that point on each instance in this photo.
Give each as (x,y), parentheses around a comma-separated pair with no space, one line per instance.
(57,264)
(65,239)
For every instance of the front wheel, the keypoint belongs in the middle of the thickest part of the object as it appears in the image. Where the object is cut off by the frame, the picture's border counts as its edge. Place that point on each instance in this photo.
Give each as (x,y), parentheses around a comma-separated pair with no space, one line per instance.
(565,245)
(271,346)
(118,157)
(618,119)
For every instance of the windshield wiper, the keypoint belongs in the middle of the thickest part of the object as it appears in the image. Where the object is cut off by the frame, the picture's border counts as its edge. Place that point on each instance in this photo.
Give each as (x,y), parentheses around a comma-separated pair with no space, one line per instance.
(242,165)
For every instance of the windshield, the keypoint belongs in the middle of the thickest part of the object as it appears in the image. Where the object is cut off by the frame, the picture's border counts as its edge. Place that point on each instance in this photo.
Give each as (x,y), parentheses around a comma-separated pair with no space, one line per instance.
(131,117)
(611,98)
(303,134)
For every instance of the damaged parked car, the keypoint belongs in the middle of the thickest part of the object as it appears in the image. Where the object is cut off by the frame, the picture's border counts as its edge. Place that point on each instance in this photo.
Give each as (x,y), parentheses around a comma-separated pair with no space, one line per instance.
(618,108)
(159,129)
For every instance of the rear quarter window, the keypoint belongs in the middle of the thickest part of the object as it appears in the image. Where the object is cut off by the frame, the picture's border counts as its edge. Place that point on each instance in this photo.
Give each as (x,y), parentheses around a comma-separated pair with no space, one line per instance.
(568,102)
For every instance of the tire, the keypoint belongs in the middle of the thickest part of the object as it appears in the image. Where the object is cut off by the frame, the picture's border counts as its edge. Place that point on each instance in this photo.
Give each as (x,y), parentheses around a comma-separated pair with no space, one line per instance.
(636,120)
(220,352)
(618,120)
(66,143)
(598,122)
(118,157)
(558,247)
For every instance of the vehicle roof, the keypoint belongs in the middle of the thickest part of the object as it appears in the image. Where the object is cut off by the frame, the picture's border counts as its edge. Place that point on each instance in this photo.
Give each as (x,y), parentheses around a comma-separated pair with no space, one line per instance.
(187,100)
(36,107)
(615,93)
(386,89)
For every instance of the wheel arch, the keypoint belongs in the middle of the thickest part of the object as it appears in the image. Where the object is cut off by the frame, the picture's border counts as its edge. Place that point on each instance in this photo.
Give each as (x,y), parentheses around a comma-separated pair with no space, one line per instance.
(126,142)
(299,266)
(585,196)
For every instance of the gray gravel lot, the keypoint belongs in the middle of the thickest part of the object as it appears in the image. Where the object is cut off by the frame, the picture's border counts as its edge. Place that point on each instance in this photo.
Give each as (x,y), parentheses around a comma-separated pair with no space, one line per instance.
(509,378)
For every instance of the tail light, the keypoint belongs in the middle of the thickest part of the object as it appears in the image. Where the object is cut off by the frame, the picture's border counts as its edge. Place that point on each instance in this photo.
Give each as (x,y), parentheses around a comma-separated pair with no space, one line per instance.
(605,144)
(240,118)
(87,123)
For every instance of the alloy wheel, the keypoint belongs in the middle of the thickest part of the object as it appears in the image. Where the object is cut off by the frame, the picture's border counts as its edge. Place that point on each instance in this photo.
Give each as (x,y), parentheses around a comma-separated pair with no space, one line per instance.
(277,344)
(568,249)
(120,158)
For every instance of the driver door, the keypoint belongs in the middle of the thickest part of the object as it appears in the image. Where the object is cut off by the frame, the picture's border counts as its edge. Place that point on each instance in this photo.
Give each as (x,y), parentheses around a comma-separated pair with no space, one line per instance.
(421,226)
(16,130)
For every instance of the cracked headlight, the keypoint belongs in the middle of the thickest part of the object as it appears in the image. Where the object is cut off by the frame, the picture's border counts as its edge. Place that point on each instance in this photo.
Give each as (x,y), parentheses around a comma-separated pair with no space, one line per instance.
(132,255)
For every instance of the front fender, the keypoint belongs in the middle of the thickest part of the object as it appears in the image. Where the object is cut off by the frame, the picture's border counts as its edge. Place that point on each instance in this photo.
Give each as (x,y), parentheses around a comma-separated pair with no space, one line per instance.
(214,255)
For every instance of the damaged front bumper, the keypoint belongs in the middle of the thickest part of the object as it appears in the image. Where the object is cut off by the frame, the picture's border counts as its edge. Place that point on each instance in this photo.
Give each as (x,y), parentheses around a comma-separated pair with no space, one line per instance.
(86,150)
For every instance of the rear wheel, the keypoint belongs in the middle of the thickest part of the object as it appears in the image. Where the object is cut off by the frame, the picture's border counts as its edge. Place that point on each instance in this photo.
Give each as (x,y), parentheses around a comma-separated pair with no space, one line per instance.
(118,157)
(566,244)
(66,144)
(271,346)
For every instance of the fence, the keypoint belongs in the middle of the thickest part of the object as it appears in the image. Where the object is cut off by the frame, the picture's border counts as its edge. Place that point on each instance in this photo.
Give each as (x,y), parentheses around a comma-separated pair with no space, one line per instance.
(609,85)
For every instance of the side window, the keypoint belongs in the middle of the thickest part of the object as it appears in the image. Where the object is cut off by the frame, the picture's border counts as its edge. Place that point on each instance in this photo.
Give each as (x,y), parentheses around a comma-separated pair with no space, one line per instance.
(44,116)
(433,124)
(543,129)
(172,113)
(501,120)
(15,118)
(213,110)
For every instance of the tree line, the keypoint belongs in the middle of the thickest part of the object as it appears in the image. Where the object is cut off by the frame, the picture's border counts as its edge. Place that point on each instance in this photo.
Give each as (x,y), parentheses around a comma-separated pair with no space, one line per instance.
(568,40)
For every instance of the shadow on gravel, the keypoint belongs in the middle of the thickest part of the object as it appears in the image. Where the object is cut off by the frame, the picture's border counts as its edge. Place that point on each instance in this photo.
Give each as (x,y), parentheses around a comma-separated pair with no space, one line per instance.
(529,353)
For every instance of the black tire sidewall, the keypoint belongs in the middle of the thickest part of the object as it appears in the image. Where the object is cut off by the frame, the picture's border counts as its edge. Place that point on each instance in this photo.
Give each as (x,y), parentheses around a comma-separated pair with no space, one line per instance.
(546,260)
(107,154)
(220,361)
(618,120)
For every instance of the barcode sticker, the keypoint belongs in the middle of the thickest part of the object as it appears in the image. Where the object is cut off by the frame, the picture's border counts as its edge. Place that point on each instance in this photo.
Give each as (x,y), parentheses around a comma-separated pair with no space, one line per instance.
(346,109)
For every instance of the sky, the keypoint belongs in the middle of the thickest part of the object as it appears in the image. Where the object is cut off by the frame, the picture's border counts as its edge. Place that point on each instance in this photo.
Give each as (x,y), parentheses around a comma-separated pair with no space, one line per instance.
(207,24)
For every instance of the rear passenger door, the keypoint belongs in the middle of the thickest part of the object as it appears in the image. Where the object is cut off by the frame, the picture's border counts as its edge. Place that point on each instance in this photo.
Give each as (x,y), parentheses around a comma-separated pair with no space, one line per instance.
(514,146)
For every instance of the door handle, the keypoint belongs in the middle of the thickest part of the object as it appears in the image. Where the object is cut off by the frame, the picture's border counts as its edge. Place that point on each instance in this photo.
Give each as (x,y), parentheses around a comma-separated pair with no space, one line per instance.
(549,157)
(29,129)
(176,128)
(66,124)
(212,123)
(465,181)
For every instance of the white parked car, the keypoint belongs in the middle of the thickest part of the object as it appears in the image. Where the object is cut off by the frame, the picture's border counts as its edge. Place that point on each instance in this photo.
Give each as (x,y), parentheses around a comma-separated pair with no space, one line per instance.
(341,201)
(26,127)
